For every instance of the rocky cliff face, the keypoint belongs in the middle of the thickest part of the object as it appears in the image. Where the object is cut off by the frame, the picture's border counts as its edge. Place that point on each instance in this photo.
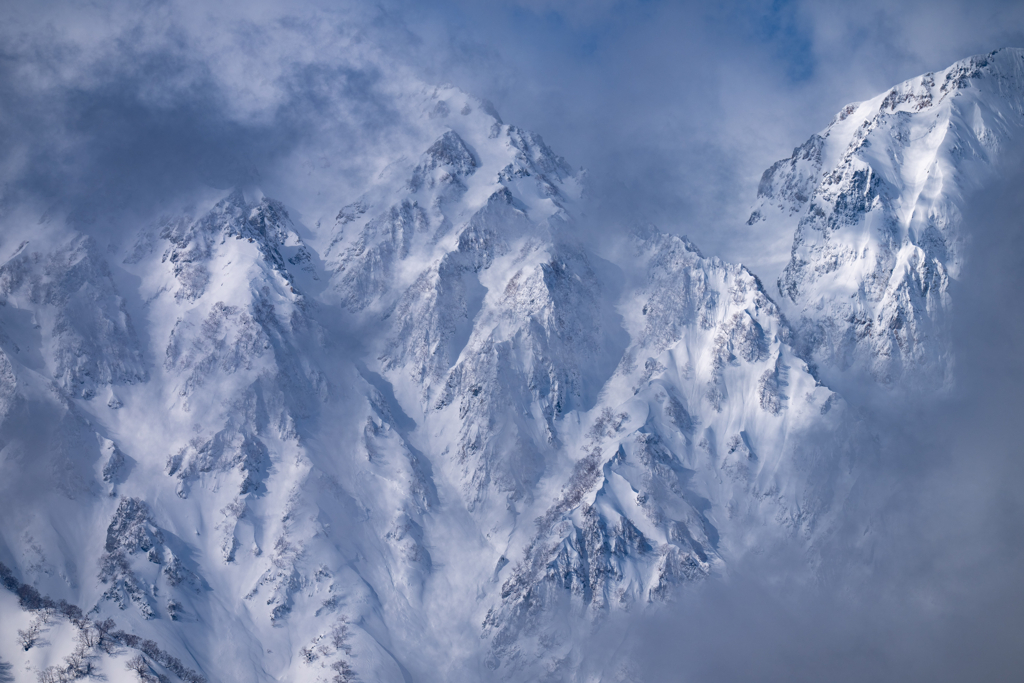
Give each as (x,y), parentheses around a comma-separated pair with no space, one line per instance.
(440,436)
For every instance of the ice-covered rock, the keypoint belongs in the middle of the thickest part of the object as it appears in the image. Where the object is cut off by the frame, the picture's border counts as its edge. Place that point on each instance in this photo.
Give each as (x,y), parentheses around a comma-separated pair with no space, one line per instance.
(86,336)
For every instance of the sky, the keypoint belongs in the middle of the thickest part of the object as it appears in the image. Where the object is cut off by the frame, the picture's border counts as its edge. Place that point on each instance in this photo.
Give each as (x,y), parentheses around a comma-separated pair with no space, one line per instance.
(112,111)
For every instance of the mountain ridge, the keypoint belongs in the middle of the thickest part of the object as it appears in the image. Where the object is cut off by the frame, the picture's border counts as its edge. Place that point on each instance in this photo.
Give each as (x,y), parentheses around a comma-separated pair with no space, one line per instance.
(442,436)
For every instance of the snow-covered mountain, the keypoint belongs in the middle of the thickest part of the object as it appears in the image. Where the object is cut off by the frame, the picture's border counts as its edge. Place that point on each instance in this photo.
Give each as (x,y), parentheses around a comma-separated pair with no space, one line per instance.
(443,434)
(876,200)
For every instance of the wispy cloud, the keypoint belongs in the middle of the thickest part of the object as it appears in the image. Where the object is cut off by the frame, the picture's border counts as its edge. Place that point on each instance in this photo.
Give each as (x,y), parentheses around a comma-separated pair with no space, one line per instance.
(122,108)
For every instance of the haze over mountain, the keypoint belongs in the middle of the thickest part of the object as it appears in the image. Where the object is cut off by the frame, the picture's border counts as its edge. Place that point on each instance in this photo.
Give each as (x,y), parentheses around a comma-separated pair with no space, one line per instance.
(407,419)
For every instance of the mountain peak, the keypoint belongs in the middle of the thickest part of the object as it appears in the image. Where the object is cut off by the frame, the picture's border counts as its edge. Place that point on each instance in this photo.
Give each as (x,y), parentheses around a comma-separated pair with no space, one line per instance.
(875,201)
